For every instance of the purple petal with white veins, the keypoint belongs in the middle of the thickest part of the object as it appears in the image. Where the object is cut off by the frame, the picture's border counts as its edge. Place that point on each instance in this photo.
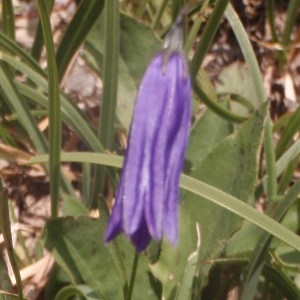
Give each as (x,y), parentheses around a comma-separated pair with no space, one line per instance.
(147,198)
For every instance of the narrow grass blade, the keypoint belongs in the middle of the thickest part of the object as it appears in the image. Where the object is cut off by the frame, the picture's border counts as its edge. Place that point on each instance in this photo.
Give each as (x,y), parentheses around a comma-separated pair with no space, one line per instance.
(199,188)
(207,94)
(110,72)
(193,32)
(287,176)
(252,64)
(14,99)
(280,280)
(38,43)
(8,25)
(287,157)
(110,89)
(74,116)
(5,229)
(21,108)
(142,9)
(290,129)
(272,187)
(115,161)
(292,14)
(271,19)
(54,109)
(207,37)
(85,17)
(70,115)
(260,252)
(158,14)
(283,162)
(240,208)
(215,107)
(86,182)
(11,47)
(247,50)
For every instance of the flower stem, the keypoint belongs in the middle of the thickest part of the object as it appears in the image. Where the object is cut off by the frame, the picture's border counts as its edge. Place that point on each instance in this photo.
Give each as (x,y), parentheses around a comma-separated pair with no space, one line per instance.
(133,275)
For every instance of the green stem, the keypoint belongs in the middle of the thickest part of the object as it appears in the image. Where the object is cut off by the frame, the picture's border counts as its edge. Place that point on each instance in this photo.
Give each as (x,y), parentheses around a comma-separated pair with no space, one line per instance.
(133,275)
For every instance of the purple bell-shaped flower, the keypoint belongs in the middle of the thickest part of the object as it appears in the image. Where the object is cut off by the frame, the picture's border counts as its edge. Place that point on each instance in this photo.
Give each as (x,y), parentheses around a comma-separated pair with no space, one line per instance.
(147,198)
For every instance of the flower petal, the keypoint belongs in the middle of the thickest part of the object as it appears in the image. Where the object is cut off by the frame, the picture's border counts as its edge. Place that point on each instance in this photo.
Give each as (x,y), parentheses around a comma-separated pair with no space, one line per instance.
(148,194)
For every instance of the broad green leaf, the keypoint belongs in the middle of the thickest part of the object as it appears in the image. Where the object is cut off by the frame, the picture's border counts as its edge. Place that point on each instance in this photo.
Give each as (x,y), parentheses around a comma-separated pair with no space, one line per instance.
(230,166)
(236,79)
(206,134)
(5,283)
(68,292)
(77,245)
(73,207)
(58,278)
(137,46)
